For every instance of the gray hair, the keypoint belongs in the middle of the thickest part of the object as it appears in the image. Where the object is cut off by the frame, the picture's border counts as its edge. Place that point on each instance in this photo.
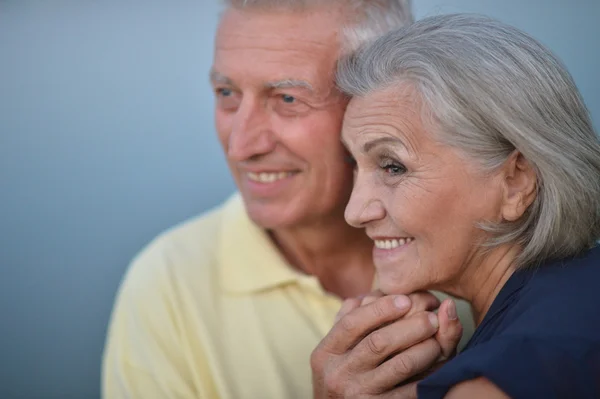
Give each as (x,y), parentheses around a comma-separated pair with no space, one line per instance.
(490,89)
(367,19)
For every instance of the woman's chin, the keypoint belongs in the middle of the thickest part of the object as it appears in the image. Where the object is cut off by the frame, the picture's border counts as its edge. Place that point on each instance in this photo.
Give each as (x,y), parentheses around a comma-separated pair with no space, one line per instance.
(390,286)
(400,279)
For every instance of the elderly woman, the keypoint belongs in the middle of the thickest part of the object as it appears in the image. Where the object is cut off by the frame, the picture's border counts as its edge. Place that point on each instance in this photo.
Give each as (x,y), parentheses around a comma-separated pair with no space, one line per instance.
(478,174)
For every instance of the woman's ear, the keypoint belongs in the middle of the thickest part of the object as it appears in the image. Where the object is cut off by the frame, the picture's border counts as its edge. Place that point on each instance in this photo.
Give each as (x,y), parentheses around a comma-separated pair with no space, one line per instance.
(520,186)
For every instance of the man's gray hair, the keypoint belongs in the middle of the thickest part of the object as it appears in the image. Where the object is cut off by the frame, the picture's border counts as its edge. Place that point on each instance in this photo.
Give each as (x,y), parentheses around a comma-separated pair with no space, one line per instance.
(366,19)
(490,89)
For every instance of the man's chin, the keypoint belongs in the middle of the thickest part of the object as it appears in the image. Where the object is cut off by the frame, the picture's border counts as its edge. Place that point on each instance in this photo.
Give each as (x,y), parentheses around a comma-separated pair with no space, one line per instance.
(269,216)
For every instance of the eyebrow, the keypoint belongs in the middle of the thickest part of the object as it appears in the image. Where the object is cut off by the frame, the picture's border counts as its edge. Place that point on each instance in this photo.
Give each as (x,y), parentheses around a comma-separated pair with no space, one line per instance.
(217,77)
(368,146)
(289,83)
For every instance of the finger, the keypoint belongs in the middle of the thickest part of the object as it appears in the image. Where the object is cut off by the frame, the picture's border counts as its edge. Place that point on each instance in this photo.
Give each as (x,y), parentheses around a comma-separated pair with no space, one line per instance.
(407,391)
(422,301)
(368,299)
(347,306)
(355,325)
(371,297)
(402,367)
(450,331)
(382,343)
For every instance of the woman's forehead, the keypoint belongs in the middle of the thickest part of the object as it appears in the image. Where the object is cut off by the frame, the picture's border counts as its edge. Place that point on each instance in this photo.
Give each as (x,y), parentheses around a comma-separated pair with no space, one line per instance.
(385,110)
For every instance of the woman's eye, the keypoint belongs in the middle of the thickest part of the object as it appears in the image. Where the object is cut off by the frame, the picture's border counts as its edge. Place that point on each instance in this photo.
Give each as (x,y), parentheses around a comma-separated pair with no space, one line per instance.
(349,159)
(393,168)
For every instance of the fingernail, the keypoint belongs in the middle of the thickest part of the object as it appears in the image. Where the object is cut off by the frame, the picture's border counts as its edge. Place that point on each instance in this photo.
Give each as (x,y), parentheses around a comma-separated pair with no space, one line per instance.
(402,302)
(434,320)
(452,315)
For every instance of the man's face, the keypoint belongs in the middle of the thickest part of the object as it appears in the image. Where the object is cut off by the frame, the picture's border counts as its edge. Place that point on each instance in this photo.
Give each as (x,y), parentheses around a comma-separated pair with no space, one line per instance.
(279,116)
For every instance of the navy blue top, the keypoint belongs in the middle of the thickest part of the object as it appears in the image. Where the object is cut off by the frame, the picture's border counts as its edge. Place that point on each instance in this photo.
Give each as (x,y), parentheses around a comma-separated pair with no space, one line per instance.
(539,339)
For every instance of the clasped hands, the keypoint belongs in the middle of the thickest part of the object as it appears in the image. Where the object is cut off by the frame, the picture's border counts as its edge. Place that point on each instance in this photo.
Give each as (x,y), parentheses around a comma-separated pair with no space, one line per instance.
(381,346)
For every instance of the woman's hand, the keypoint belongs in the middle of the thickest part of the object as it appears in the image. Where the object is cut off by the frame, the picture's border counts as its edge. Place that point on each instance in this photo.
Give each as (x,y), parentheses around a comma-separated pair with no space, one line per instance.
(380,343)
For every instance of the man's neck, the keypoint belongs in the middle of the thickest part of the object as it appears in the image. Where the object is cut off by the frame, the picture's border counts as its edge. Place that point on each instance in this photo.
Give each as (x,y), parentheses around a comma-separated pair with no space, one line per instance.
(337,254)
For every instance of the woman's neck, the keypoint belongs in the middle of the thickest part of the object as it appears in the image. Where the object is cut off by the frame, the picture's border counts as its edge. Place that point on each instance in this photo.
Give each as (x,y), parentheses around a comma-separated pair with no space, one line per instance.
(483,283)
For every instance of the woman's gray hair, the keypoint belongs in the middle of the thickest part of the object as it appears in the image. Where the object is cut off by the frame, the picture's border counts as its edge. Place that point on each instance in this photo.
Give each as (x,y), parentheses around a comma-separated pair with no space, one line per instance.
(490,89)
(367,19)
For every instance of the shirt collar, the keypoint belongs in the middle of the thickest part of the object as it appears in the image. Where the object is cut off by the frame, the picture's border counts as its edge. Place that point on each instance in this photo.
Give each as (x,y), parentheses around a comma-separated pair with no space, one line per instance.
(249,261)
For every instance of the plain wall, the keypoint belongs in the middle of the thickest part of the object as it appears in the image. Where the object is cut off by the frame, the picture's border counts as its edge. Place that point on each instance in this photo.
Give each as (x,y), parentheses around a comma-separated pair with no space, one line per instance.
(106,139)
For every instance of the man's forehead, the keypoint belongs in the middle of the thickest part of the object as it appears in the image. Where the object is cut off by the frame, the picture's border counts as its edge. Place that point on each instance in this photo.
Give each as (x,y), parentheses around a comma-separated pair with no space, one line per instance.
(311,23)
(266,49)
(266,35)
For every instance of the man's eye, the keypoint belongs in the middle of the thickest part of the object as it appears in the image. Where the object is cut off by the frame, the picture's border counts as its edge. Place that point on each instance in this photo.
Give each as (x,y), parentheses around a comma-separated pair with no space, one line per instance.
(288,99)
(287,105)
(224,92)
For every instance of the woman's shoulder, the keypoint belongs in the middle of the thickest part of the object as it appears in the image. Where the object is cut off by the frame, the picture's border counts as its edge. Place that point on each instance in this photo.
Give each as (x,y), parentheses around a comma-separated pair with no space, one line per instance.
(546,326)
(580,266)
(567,280)
(559,299)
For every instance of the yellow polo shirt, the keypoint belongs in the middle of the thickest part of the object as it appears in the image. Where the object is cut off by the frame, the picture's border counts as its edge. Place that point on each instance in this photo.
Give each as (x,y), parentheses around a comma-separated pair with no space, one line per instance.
(210,309)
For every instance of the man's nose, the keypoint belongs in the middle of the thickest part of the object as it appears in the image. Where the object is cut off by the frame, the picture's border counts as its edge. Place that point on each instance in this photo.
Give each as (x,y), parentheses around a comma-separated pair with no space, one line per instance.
(364,207)
(251,134)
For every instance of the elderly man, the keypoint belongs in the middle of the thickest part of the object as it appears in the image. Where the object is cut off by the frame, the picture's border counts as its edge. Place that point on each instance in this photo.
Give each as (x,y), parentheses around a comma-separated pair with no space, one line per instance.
(231,304)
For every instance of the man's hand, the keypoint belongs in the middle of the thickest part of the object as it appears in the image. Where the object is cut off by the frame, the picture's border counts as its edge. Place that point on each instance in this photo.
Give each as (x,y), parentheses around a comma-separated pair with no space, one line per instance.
(450,330)
(381,342)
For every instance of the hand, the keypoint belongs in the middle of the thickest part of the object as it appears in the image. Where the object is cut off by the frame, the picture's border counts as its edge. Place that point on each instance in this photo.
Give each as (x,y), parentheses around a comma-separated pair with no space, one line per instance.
(373,348)
(449,332)
(369,352)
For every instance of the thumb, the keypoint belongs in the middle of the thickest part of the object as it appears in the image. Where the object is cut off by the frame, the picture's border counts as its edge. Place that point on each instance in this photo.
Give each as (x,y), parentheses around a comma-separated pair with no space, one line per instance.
(450,330)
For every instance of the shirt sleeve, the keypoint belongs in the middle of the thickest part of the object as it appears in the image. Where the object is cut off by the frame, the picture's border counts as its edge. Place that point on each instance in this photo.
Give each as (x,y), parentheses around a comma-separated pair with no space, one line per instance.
(145,354)
(525,367)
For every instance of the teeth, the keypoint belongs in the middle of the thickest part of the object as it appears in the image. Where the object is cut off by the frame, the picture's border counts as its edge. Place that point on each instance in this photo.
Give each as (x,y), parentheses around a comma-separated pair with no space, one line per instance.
(268,177)
(393,243)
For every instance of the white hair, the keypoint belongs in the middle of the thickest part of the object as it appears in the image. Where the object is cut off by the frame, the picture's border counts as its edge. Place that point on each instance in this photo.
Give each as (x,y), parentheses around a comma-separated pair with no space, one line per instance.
(490,89)
(367,19)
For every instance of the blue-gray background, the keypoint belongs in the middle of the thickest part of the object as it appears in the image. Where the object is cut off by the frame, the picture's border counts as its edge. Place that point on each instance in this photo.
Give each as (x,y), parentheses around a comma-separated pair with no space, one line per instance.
(106,138)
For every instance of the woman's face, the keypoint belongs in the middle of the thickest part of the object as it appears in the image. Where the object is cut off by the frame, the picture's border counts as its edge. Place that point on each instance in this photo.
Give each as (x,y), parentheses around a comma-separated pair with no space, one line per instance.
(418,199)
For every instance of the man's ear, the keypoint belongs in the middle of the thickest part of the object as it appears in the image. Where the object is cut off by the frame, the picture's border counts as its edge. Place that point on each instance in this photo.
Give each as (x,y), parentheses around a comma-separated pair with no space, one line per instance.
(520,186)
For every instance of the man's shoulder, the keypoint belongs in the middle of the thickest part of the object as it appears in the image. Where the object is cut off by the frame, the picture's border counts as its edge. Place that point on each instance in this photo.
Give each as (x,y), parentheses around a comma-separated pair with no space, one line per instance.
(187,251)
(197,235)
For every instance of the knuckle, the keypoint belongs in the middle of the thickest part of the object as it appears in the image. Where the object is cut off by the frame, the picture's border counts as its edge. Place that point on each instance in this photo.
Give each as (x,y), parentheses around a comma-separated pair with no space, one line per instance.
(403,365)
(348,324)
(352,390)
(376,343)
(317,359)
(334,383)
(452,334)
(434,347)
